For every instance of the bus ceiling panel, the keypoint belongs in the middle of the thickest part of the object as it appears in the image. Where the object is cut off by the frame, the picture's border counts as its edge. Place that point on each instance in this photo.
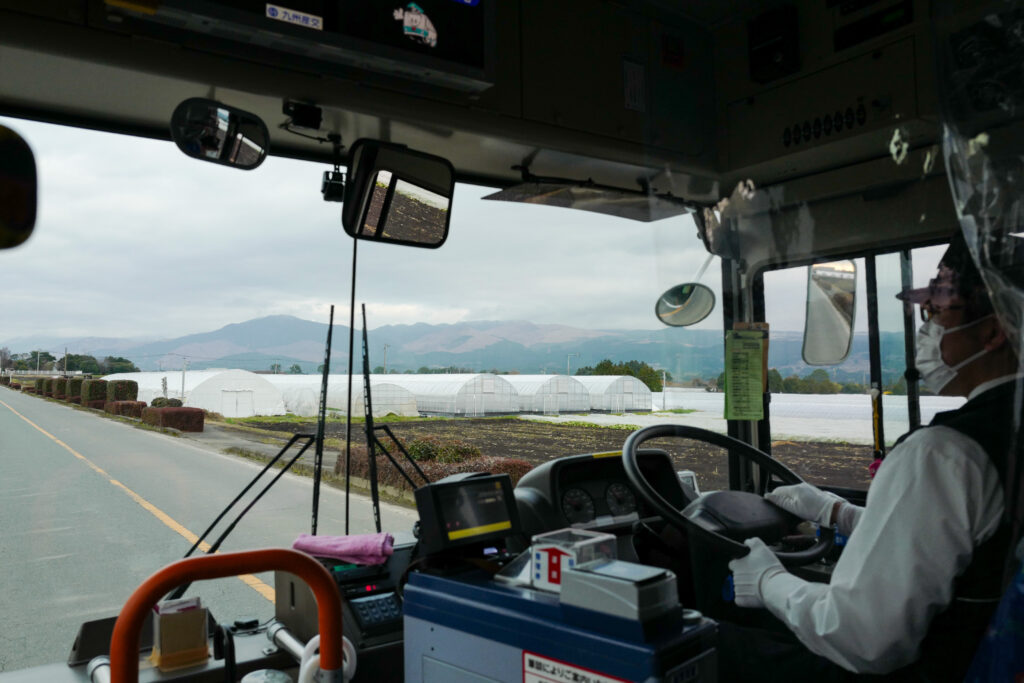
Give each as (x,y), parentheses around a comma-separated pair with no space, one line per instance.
(76,74)
(845,75)
(621,72)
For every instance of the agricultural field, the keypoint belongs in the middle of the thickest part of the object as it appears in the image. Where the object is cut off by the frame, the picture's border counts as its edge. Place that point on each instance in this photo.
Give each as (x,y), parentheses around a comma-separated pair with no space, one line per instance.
(836,464)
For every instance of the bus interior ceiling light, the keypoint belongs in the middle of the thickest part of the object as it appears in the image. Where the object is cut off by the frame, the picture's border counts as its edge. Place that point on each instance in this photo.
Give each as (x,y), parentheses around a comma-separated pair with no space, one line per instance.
(586,196)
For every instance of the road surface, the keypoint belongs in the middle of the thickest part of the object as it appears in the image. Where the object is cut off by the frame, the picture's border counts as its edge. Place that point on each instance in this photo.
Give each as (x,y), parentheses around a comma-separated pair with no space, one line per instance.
(89,507)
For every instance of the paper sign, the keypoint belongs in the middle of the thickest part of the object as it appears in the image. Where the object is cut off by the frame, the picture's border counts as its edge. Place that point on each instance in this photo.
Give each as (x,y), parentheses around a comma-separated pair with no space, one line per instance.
(744,370)
(291,16)
(538,669)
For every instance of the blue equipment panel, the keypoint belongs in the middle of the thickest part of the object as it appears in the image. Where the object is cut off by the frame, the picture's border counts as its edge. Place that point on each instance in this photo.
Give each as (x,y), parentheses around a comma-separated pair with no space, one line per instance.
(469,628)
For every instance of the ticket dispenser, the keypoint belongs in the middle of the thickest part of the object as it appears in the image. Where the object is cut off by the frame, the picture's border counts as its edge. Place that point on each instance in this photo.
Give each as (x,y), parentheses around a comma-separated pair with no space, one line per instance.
(609,621)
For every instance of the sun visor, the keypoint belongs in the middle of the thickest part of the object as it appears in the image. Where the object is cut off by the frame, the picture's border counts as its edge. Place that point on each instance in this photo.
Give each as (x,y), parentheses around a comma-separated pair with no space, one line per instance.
(636,206)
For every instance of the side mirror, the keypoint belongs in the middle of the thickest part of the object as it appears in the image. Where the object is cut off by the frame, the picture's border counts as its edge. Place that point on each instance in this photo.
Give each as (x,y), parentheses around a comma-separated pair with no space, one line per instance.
(210,131)
(685,304)
(831,303)
(397,195)
(18,189)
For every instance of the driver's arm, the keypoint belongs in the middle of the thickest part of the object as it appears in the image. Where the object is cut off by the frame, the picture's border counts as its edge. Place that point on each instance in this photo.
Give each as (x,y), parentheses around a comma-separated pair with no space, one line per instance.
(933,500)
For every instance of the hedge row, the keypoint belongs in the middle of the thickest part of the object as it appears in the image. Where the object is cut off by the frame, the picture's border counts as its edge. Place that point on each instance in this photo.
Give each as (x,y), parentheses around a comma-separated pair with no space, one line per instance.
(94,390)
(161,402)
(122,390)
(125,408)
(74,389)
(185,419)
(445,450)
(117,397)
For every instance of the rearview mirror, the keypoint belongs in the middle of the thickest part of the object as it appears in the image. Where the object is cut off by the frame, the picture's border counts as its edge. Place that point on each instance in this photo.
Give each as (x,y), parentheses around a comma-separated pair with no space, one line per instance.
(17,189)
(397,195)
(831,299)
(685,304)
(210,131)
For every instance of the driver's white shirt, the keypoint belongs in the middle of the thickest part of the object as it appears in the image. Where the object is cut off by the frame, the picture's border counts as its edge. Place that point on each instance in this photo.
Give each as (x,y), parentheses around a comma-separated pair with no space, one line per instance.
(933,500)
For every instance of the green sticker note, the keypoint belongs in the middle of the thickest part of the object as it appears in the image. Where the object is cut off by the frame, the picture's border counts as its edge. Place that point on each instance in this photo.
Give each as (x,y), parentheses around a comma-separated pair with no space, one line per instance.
(744,353)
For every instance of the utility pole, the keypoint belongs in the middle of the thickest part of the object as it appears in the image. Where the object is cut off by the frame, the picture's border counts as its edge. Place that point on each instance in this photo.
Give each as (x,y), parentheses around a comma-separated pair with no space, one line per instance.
(184,367)
(664,392)
(37,361)
(567,357)
(65,360)
(386,346)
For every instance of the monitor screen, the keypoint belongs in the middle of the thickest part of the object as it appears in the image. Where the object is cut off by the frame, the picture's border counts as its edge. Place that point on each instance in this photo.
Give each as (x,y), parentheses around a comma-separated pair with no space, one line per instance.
(473,509)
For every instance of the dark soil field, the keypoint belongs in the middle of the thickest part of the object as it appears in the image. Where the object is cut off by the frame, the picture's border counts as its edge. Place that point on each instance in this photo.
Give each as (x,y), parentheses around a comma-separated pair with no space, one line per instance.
(537,442)
(409,219)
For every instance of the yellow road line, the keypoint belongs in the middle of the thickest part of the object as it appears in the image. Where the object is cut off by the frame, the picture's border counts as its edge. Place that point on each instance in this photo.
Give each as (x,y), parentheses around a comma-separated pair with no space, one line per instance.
(168,521)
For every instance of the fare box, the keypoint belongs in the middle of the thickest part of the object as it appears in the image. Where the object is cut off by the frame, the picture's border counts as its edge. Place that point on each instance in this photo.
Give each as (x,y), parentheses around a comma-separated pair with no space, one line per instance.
(180,637)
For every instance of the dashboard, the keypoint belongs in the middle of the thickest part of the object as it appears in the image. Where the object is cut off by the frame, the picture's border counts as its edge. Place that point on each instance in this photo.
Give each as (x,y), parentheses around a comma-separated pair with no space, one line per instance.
(591,491)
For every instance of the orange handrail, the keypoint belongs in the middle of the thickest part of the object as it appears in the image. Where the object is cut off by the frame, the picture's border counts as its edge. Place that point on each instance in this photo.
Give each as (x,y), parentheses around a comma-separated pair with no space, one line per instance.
(124,643)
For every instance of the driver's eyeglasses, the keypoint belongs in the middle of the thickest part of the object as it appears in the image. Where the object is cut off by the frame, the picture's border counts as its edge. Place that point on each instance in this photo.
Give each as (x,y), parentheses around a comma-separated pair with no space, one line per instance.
(940,293)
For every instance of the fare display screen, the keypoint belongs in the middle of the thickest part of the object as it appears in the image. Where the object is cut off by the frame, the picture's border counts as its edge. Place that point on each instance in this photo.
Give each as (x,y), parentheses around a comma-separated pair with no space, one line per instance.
(473,509)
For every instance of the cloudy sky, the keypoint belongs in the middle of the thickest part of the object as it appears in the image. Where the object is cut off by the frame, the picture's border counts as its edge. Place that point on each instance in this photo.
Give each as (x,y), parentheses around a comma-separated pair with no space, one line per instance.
(134,239)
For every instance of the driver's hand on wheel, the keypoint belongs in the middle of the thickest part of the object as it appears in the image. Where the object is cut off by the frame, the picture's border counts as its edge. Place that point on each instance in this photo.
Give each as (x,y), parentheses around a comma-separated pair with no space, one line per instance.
(806,502)
(751,572)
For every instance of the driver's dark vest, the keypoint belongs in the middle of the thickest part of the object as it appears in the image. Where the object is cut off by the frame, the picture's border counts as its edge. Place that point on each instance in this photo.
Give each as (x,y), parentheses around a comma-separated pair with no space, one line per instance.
(946,652)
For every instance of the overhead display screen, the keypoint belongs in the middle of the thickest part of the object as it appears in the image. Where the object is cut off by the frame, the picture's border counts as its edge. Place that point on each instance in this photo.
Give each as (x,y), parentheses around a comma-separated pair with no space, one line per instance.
(443,42)
(452,30)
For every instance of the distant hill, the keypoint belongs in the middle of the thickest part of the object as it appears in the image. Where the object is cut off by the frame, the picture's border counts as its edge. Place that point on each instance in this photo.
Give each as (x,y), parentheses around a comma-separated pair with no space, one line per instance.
(507,346)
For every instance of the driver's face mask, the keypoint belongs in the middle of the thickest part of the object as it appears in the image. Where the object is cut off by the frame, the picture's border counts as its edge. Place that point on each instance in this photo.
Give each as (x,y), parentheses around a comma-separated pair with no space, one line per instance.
(935,373)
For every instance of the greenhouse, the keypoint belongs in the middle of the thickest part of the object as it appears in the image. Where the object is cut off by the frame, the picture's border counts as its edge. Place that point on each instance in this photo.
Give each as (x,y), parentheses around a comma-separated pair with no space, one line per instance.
(232,393)
(301,395)
(468,395)
(616,393)
(549,394)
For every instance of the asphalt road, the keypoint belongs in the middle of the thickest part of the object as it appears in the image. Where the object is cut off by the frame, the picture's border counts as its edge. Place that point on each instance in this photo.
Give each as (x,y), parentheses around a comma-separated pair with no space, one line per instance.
(89,507)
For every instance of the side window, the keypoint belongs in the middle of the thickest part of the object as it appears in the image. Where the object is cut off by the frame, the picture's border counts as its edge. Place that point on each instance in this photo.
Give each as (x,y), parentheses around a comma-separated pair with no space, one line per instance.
(820,416)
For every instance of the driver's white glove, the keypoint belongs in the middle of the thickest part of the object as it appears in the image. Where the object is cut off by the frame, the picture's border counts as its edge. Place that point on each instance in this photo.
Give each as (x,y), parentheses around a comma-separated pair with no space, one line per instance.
(806,502)
(750,573)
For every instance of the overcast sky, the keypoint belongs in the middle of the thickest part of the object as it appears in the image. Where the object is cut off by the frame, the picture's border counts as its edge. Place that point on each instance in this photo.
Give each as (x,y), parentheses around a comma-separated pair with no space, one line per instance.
(134,239)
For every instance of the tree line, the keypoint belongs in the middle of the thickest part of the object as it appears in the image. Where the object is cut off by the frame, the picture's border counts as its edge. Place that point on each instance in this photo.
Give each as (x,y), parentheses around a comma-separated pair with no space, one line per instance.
(819,382)
(44,360)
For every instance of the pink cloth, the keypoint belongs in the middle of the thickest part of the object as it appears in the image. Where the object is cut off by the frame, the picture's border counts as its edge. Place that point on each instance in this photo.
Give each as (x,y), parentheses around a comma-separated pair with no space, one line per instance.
(357,549)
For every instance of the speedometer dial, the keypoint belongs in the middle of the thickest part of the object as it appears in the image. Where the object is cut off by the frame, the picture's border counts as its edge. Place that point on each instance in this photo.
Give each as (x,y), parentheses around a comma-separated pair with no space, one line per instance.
(577,506)
(620,499)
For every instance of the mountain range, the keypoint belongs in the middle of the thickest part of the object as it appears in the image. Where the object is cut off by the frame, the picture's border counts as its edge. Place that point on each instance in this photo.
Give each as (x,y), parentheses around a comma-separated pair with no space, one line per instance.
(507,346)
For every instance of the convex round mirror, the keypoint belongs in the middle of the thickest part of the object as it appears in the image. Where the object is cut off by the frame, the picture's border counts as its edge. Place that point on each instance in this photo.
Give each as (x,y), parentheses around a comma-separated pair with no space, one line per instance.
(685,304)
(831,304)
(397,195)
(17,189)
(210,131)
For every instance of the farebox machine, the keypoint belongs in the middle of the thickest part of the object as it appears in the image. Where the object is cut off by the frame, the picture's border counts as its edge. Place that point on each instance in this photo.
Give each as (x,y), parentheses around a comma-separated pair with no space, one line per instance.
(565,610)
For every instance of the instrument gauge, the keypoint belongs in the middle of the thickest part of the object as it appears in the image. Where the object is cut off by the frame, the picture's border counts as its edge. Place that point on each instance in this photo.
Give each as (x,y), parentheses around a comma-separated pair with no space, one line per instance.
(620,499)
(578,506)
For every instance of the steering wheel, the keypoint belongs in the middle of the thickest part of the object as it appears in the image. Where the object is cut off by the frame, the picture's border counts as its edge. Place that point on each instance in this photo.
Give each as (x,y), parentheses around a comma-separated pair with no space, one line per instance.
(723,517)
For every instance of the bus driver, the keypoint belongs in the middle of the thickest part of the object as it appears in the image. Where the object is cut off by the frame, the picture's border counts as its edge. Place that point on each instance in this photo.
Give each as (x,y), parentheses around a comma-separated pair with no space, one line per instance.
(917,583)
